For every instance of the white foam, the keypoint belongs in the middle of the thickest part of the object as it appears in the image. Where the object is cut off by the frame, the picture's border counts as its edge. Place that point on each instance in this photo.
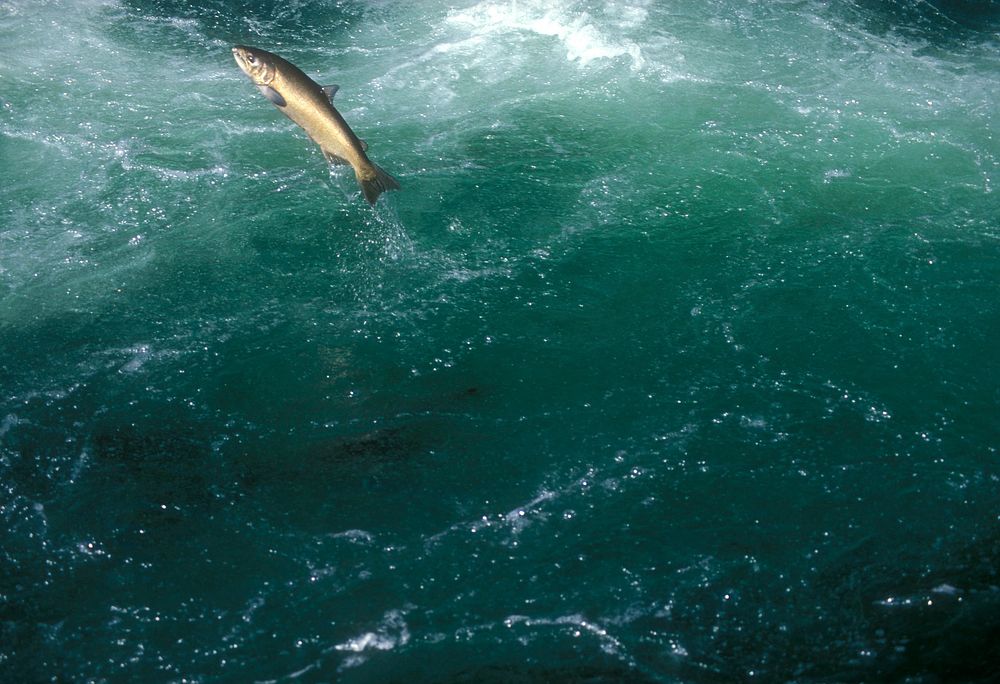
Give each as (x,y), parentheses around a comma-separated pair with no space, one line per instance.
(379,642)
(518,518)
(580,34)
(355,536)
(391,633)
(138,356)
(79,464)
(9,421)
(834,174)
(578,626)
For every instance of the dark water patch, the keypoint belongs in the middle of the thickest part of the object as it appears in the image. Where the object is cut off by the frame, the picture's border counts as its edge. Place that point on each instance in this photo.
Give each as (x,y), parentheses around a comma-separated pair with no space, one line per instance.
(153,468)
(352,460)
(520,670)
(946,23)
(367,474)
(924,611)
(101,558)
(274,23)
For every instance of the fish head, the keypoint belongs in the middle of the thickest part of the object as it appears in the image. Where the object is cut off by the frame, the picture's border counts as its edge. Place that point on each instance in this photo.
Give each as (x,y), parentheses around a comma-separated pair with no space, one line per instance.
(258,64)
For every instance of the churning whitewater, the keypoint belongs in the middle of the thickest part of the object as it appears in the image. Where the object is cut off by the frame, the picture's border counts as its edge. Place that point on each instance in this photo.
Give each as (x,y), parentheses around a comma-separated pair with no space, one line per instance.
(674,361)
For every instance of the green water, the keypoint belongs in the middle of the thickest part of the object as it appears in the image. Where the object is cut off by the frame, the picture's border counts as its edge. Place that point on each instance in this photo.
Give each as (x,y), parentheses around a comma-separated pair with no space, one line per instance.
(673,360)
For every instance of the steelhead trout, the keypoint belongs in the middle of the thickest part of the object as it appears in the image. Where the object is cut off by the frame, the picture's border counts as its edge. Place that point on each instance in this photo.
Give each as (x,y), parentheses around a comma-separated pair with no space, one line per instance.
(310,105)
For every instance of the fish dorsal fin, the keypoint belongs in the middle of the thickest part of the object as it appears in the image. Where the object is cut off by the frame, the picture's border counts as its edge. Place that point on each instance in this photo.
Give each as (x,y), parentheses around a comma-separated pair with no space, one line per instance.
(272,95)
(364,145)
(334,159)
(330,91)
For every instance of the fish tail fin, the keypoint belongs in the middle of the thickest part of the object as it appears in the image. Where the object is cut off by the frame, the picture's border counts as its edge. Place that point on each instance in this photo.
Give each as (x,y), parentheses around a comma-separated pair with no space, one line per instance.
(375,182)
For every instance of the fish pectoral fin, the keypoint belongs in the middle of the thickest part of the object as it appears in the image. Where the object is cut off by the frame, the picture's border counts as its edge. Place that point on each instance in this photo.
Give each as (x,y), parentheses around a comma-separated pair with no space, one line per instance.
(334,159)
(272,95)
(331,90)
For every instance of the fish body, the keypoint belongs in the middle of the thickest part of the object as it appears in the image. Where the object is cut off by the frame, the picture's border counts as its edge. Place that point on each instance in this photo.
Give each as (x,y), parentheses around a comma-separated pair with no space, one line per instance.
(310,105)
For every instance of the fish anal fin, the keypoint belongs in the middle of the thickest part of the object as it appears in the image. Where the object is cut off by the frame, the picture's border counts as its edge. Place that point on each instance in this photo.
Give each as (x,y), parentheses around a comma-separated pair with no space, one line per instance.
(334,159)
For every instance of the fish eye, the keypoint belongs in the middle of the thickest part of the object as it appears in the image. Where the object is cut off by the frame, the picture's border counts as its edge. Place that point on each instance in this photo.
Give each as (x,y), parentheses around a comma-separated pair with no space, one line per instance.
(251,59)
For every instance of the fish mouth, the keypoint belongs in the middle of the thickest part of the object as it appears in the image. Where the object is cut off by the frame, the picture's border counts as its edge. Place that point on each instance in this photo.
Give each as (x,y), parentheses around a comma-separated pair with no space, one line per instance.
(240,55)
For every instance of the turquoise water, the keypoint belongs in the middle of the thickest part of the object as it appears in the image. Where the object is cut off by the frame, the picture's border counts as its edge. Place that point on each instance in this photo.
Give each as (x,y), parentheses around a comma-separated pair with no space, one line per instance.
(674,359)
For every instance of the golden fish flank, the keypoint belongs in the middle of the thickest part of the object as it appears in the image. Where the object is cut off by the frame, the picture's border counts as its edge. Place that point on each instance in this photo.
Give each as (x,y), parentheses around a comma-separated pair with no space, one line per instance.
(311,106)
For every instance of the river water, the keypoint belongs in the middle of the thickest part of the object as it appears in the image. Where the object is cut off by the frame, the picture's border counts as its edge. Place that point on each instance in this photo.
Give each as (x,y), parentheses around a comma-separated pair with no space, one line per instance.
(673,360)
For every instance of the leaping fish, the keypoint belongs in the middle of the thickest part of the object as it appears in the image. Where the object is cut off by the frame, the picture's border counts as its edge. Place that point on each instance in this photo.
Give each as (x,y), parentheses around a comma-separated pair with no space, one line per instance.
(310,105)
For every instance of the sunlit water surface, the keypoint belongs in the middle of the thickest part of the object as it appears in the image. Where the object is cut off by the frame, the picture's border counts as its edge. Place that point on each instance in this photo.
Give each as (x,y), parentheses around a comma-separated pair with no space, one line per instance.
(675,358)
